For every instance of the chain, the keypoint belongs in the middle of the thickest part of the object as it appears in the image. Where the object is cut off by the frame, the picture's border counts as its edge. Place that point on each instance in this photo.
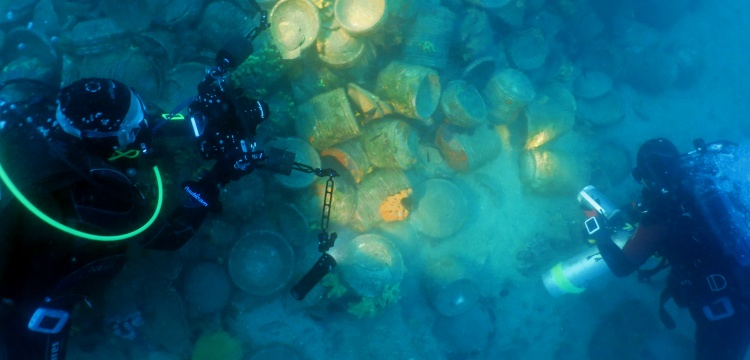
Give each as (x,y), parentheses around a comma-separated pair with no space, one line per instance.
(327,200)
(263,25)
(325,242)
(307,169)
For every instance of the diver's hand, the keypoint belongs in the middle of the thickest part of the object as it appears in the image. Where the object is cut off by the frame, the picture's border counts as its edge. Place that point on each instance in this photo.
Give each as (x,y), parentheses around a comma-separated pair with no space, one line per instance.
(234,165)
(597,228)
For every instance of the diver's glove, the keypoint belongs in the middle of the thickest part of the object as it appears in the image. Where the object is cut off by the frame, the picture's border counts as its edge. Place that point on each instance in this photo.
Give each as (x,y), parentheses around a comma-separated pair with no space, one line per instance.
(237,163)
(234,165)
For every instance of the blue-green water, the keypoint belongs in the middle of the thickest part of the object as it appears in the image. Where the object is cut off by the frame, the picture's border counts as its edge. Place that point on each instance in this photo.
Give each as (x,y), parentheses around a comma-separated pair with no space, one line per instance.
(447,218)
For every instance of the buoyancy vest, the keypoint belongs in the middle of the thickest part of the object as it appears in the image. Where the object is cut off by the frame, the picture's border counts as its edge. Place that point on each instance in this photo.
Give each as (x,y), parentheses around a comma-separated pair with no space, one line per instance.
(709,249)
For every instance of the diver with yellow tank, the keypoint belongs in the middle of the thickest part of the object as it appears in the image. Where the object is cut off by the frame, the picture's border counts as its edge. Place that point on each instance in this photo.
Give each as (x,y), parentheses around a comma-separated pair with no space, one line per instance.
(693,213)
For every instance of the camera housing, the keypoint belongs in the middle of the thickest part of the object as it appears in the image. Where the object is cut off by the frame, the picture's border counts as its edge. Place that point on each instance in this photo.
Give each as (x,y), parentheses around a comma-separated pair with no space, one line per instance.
(221,122)
(221,117)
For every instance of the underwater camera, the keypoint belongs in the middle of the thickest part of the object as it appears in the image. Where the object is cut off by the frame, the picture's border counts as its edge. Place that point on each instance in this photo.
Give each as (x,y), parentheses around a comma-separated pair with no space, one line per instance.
(220,117)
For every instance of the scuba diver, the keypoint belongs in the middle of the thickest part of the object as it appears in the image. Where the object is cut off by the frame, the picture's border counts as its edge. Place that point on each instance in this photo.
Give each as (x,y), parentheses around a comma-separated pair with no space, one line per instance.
(44,272)
(74,197)
(89,181)
(692,215)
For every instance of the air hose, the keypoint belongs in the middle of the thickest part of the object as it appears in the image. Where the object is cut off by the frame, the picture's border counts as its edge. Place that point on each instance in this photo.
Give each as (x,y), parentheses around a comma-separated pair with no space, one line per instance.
(64,228)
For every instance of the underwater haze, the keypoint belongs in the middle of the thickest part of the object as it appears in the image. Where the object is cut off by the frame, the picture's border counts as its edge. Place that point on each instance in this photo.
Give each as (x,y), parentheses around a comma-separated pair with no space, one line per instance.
(462,132)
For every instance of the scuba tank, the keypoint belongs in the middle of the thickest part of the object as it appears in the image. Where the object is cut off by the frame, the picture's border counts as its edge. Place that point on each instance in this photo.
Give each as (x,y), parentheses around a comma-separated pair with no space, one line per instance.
(575,275)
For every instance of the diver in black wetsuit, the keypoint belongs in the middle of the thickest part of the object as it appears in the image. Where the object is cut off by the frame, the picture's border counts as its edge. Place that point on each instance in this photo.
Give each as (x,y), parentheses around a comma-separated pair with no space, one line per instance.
(65,173)
(705,276)
(82,172)
(79,201)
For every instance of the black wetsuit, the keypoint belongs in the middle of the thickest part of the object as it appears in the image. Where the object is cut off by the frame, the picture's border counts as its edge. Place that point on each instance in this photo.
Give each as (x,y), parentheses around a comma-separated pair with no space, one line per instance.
(41,266)
(44,267)
(701,278)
